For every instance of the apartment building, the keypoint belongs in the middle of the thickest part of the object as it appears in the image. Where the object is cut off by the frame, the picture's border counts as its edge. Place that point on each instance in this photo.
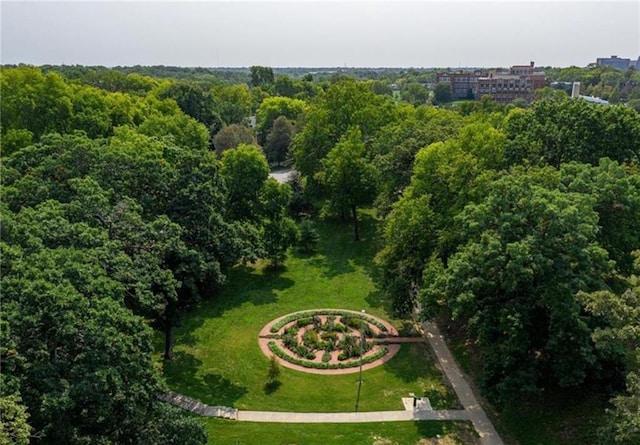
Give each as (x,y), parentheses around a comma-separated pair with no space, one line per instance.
(520,81)
(463,83)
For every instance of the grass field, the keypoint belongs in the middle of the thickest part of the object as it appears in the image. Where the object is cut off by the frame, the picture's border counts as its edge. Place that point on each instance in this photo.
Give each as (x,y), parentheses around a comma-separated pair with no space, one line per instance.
(219,362)
(394,433)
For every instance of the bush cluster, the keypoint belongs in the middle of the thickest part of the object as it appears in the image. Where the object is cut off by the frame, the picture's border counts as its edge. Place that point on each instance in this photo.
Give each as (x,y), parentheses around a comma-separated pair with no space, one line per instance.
(273,347)
(304,315)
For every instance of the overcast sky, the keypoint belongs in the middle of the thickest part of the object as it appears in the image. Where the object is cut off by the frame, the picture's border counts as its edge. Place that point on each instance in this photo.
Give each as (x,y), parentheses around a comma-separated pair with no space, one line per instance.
(318,34)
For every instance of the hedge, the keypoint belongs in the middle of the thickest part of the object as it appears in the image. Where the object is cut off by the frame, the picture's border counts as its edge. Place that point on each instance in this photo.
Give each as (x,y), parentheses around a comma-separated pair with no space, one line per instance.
(310,314)
(273,347)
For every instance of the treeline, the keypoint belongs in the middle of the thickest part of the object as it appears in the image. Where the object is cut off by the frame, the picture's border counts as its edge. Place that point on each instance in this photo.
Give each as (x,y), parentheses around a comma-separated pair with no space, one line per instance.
(126,199)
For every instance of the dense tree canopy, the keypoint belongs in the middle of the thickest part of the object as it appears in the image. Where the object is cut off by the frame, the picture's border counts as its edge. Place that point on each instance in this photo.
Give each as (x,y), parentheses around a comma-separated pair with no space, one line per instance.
(115,218)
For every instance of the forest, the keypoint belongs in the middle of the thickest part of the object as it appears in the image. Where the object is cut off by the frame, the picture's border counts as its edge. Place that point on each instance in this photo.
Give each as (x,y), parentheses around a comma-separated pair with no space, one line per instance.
(128,195)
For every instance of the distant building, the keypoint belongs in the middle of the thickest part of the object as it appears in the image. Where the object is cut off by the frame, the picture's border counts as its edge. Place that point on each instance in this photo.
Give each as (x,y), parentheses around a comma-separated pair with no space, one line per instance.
(503,86)
(616,62)
(520,82)
(463,83)
(575,94)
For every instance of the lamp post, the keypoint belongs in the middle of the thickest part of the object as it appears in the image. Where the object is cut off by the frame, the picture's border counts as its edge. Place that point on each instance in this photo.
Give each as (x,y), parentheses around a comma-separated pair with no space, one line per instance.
(361,349)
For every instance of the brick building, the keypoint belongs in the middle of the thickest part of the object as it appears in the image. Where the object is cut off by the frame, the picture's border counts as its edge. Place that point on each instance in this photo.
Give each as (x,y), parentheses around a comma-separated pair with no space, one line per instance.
(463,83)
(503,86)
(520,82)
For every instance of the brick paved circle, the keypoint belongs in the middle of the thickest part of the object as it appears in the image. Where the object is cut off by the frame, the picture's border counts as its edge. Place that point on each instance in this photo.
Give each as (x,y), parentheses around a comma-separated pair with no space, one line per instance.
(381,335)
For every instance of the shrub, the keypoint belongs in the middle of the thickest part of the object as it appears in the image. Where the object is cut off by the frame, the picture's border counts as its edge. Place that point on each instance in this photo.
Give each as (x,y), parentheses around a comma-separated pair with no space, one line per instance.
(302,322)
(326,357)
(310,339)
(290,341)
(274,371)
(330,336)
(309,237)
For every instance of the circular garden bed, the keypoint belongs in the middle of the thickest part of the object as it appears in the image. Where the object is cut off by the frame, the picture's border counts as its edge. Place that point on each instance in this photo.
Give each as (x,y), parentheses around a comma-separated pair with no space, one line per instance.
(329,341)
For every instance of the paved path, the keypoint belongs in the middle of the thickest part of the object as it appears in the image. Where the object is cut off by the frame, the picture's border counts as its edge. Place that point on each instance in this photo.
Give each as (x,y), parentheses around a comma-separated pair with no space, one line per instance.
(281,174)
(482,424)
(362,417)
(472,411)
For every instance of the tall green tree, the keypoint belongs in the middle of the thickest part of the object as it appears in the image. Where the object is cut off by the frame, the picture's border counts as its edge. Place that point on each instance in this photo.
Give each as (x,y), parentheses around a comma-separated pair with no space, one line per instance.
(261,75)
(349,176)
(231,136)
(529,250)
(279,140)
(244,171)
(279,231)
(619,339)
(442,93)
(345,104)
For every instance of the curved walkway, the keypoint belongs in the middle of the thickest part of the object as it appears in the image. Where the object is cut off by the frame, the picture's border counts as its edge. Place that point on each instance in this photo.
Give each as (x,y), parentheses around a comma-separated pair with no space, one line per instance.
(472,411)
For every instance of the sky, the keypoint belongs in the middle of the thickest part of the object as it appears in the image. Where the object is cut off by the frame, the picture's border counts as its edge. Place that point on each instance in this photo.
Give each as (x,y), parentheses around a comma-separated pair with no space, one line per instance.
(300,33)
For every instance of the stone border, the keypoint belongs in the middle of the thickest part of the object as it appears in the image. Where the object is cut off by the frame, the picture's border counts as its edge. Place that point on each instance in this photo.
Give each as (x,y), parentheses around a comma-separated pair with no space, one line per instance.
(390,341)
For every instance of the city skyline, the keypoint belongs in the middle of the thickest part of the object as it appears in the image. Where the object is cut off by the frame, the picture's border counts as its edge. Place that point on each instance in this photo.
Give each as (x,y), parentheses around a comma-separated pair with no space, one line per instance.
(318,34)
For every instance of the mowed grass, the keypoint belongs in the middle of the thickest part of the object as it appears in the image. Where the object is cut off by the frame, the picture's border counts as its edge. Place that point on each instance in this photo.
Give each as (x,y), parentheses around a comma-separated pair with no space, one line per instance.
(218,360)
(223,432)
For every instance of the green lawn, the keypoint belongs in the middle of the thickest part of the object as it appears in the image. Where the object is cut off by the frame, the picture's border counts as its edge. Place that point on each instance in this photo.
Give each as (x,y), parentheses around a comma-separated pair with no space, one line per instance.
(223,432)
(218,360)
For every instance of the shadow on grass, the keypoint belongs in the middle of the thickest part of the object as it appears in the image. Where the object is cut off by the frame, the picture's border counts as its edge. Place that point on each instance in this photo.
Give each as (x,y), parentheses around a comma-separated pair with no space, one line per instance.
(406,365)
(462,431)
(182,375)
(339,253)
(245,285)
(433,429)
(271,387)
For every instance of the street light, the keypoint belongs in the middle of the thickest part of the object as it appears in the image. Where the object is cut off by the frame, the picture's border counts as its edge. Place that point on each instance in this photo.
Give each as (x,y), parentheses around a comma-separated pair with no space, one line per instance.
(361,349)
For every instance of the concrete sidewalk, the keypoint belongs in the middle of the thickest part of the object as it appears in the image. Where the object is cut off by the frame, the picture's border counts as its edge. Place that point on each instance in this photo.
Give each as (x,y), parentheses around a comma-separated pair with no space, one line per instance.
(477,415)
(362,417)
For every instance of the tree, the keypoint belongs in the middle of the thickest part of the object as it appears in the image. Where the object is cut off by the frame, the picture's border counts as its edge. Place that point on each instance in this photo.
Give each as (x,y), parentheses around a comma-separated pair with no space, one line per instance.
(309,237)
(261,75)
(344,105)
(273,375)
(529,249)
(410,239)
(397,144)
(182,130)
(618,339)
(280,231)
(14,424)
(349,177)
(234,102)
(231,136)
(90,373)
(284,86)
(244,171)
(194,100)
(442,93)
(279,140)
(559,131)
(415,93)
(273,107)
